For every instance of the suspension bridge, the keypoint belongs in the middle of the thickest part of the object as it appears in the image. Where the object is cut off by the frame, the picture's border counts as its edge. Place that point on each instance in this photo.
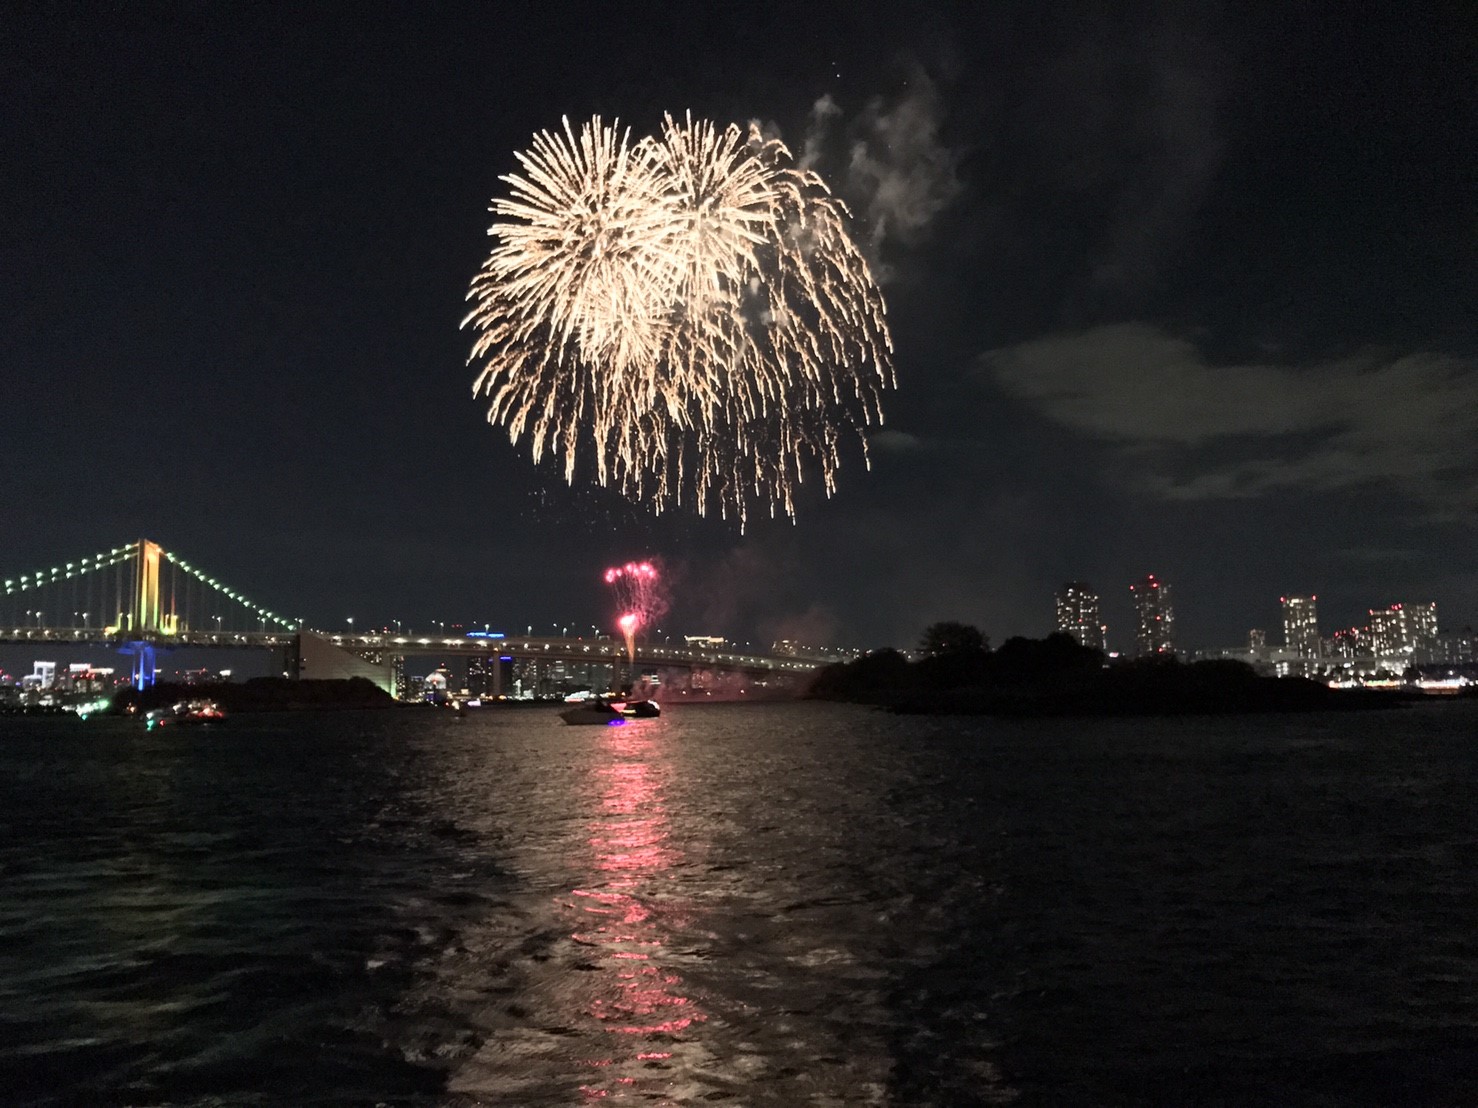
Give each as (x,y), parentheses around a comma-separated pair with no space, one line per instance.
(140,599)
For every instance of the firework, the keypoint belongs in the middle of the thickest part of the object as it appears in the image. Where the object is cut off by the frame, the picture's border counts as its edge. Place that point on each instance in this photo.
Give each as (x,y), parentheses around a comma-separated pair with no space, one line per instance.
(685,314)
(629,623)
(638,588)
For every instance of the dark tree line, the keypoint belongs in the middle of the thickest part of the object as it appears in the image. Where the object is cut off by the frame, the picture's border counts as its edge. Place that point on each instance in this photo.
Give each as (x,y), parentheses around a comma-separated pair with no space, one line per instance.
(956,671)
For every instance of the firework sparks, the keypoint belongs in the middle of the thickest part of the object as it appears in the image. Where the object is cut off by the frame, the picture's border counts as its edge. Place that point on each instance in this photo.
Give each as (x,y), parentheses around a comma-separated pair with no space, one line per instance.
(629,623)
(687,310)
(639,596)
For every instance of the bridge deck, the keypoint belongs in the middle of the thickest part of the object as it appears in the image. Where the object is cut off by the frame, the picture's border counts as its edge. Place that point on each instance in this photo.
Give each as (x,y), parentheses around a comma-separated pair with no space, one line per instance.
(521,647)
(576,650)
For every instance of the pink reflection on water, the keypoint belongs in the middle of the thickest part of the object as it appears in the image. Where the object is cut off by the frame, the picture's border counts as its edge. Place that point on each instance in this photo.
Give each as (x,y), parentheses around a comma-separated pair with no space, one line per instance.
(629,921)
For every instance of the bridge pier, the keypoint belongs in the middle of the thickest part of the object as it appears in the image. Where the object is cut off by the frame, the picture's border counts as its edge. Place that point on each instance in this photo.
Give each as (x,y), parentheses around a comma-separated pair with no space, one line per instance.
(292,658)
(143,663)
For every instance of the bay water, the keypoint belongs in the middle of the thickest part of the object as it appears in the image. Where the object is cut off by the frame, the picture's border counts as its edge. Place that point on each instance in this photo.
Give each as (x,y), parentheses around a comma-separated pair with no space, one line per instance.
(799,904)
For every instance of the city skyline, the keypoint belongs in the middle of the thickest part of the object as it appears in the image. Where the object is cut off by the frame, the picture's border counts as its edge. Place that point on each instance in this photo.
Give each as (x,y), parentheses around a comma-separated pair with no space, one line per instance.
(168,596)
(1077,611)
(1183,286)
(1393,637)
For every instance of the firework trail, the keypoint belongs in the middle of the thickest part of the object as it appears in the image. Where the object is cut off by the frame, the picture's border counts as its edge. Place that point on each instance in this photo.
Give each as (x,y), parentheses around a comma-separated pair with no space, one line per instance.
(639,597)
(629,622)
(688,310)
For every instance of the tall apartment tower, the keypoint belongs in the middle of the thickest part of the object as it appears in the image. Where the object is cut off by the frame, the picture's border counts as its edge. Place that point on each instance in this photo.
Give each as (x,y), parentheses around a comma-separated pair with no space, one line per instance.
(1404,630)
(1077,614)
(1155,618)
(1301,625)
(478,669)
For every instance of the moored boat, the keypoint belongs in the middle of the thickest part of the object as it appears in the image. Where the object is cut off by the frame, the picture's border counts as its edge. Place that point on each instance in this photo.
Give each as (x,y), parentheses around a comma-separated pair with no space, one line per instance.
(595,711)
(185,713)
(599,710)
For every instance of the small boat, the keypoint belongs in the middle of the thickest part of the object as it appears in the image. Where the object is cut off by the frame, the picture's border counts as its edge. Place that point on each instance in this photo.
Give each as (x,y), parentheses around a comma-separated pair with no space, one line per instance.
(185,713)
(594,711)
(601,710)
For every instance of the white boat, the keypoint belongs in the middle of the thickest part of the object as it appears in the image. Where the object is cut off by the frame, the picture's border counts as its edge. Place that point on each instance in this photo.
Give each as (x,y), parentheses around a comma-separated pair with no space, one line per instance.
(593,712)
(186,712)
(608,712)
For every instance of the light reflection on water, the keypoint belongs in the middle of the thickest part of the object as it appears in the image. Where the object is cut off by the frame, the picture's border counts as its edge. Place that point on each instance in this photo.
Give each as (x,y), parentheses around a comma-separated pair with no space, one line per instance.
(630,915)
(677,944)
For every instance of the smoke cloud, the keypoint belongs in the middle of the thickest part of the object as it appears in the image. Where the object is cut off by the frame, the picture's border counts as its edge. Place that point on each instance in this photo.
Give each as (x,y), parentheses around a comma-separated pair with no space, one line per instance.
(889,162)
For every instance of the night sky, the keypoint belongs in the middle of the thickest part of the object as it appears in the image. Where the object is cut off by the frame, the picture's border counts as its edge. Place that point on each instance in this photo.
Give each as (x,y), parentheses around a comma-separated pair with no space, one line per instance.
(1176,288)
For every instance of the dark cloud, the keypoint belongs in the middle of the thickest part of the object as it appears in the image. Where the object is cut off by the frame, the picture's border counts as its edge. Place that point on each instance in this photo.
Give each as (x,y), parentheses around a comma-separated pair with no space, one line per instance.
(1167,150)
(1195,430)
(1377,554)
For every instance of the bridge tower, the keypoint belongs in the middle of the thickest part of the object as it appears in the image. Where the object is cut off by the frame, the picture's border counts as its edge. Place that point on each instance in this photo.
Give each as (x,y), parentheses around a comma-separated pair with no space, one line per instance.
(147,616)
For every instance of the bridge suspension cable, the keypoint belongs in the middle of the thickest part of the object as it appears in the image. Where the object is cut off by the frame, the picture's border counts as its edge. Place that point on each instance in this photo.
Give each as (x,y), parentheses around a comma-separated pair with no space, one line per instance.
(199,601)
(91,592)
(137,588)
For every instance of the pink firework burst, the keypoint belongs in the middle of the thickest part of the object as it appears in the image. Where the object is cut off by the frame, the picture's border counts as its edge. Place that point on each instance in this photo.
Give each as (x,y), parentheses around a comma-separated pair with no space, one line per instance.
(639,598)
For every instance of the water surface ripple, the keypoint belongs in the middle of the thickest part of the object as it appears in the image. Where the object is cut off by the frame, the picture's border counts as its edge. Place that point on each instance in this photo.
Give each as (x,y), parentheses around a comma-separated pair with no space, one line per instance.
(791,904)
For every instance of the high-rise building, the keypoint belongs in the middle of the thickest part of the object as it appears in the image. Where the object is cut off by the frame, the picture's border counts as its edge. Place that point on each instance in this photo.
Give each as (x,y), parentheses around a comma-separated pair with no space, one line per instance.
(1257,640)
(1077,614)
(1457,647)
(1154,616)
(1301,625)
(478,668)
(1352,642)
(1404,630)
